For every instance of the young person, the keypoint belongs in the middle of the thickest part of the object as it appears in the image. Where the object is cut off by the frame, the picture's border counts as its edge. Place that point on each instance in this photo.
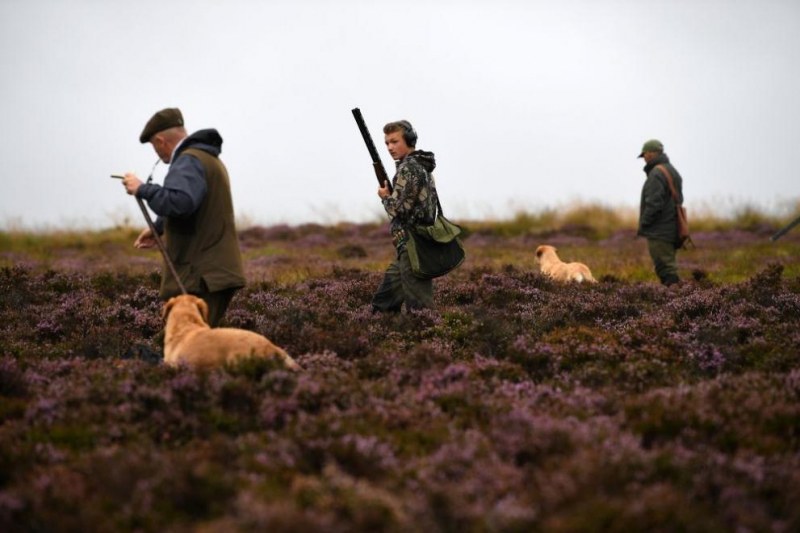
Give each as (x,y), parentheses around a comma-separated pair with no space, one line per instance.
(413,201)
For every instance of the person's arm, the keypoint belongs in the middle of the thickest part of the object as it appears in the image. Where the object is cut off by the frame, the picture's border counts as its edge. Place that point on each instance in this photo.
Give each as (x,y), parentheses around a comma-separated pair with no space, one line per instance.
(158,223)
(655,197)
(405,194)
(183,190)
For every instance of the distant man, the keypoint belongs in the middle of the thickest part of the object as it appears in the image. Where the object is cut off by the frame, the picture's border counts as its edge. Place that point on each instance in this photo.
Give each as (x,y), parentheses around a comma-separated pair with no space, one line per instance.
(413,201)
(195,213)
(658,222)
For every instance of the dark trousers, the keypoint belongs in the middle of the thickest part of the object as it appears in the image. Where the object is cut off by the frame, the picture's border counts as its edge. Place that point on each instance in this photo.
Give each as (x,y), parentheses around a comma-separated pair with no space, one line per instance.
(663,255)
(218,303)
(401,285)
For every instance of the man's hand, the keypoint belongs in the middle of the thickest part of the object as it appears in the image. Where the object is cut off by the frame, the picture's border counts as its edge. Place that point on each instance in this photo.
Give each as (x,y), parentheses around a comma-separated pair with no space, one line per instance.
(145,240)
(384,192)
(131,183)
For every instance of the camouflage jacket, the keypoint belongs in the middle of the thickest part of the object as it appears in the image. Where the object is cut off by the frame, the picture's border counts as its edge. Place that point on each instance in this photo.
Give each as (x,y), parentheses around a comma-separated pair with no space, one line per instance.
(413,200)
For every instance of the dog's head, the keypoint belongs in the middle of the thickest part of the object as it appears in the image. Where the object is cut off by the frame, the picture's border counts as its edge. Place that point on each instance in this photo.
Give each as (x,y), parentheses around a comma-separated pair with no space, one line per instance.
(544,249)
(189,301)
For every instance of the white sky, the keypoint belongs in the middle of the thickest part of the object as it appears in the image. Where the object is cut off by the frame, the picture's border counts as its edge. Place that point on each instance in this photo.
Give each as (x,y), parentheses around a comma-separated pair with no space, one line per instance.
(527,104)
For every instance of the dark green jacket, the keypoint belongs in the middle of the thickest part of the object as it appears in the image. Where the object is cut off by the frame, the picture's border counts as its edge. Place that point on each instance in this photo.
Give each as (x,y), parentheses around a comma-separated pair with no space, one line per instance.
(203,245)
(657,218)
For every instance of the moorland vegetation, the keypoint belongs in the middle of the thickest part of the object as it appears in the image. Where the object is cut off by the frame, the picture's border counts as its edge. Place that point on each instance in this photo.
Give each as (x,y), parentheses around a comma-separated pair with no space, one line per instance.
(519,404)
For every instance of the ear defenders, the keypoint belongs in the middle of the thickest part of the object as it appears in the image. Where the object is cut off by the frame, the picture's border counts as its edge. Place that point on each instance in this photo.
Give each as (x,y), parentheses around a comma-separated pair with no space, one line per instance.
(409,133)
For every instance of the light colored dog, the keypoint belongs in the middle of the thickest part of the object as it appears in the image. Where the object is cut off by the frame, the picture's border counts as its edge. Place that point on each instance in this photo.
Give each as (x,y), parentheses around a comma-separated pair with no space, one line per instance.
(558,270)
(189,339)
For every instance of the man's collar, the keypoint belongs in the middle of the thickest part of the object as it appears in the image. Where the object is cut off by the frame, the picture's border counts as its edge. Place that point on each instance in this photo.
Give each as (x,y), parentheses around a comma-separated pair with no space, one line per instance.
(175,150)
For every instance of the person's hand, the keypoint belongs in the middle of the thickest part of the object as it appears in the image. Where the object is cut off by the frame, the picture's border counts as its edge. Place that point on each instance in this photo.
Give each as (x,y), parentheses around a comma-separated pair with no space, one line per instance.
(383,192)
(131,183)
(145,240)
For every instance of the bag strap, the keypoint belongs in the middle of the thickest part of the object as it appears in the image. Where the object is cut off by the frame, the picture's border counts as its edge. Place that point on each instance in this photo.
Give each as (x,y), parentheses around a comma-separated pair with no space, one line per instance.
(669,183)
(432,187)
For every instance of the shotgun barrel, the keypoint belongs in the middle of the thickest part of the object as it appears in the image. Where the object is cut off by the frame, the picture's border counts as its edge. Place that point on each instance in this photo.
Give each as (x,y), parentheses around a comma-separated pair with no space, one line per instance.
(377,165)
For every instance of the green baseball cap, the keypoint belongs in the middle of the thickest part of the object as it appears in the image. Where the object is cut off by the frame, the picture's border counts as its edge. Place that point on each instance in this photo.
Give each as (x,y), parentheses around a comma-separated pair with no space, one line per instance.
(653,145)
(162,120)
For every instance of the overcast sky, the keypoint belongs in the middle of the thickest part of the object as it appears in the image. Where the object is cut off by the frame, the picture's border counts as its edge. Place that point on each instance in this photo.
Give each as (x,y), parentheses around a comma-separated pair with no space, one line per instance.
(526,104)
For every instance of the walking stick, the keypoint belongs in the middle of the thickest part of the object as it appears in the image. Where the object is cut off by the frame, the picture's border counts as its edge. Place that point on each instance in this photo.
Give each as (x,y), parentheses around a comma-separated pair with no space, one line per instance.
(156,236)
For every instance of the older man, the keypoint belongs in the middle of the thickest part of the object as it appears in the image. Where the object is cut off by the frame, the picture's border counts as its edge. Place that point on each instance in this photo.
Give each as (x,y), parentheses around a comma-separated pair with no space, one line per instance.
(195,212)
(658,221)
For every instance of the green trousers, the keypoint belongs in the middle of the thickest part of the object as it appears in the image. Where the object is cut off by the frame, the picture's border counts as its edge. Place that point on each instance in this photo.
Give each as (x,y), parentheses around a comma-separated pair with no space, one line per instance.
(663,255)
(401,285)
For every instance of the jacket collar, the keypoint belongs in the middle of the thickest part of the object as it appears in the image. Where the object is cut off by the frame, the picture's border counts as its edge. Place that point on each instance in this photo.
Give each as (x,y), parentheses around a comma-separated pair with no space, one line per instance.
(660,160)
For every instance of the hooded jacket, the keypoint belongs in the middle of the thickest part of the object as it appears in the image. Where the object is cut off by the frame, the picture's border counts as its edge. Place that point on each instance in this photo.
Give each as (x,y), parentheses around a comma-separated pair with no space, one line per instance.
(414,199)
(195,211)
(657,218)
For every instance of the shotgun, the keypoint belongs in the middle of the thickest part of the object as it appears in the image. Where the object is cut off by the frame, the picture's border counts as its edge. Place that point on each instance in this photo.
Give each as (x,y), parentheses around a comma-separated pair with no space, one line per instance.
(156,236)
(783,231)
(377,165)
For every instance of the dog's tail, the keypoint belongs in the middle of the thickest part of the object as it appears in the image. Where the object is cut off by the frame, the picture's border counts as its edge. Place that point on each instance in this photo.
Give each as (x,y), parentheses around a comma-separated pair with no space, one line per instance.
(290,363)
(584,275)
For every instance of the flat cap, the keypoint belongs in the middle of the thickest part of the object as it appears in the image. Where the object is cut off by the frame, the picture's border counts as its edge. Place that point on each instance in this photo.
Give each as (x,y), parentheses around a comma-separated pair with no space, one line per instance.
(163,120)
(653,145)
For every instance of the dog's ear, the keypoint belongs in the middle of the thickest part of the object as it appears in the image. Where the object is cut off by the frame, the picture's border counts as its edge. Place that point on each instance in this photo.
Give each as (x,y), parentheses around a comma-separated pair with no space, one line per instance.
(202,306)
(167,308)
(539,251)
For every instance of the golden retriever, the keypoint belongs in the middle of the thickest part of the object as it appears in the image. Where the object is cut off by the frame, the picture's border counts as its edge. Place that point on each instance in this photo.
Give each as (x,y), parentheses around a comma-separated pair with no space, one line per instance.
(189,339)
(558,270)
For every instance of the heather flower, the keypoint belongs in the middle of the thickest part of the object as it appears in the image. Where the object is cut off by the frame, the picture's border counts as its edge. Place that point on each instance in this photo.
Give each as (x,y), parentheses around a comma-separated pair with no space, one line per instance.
(517,404)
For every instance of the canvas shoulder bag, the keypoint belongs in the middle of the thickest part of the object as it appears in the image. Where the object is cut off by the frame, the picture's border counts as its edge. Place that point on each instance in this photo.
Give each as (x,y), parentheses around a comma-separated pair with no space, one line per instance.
(435,250)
